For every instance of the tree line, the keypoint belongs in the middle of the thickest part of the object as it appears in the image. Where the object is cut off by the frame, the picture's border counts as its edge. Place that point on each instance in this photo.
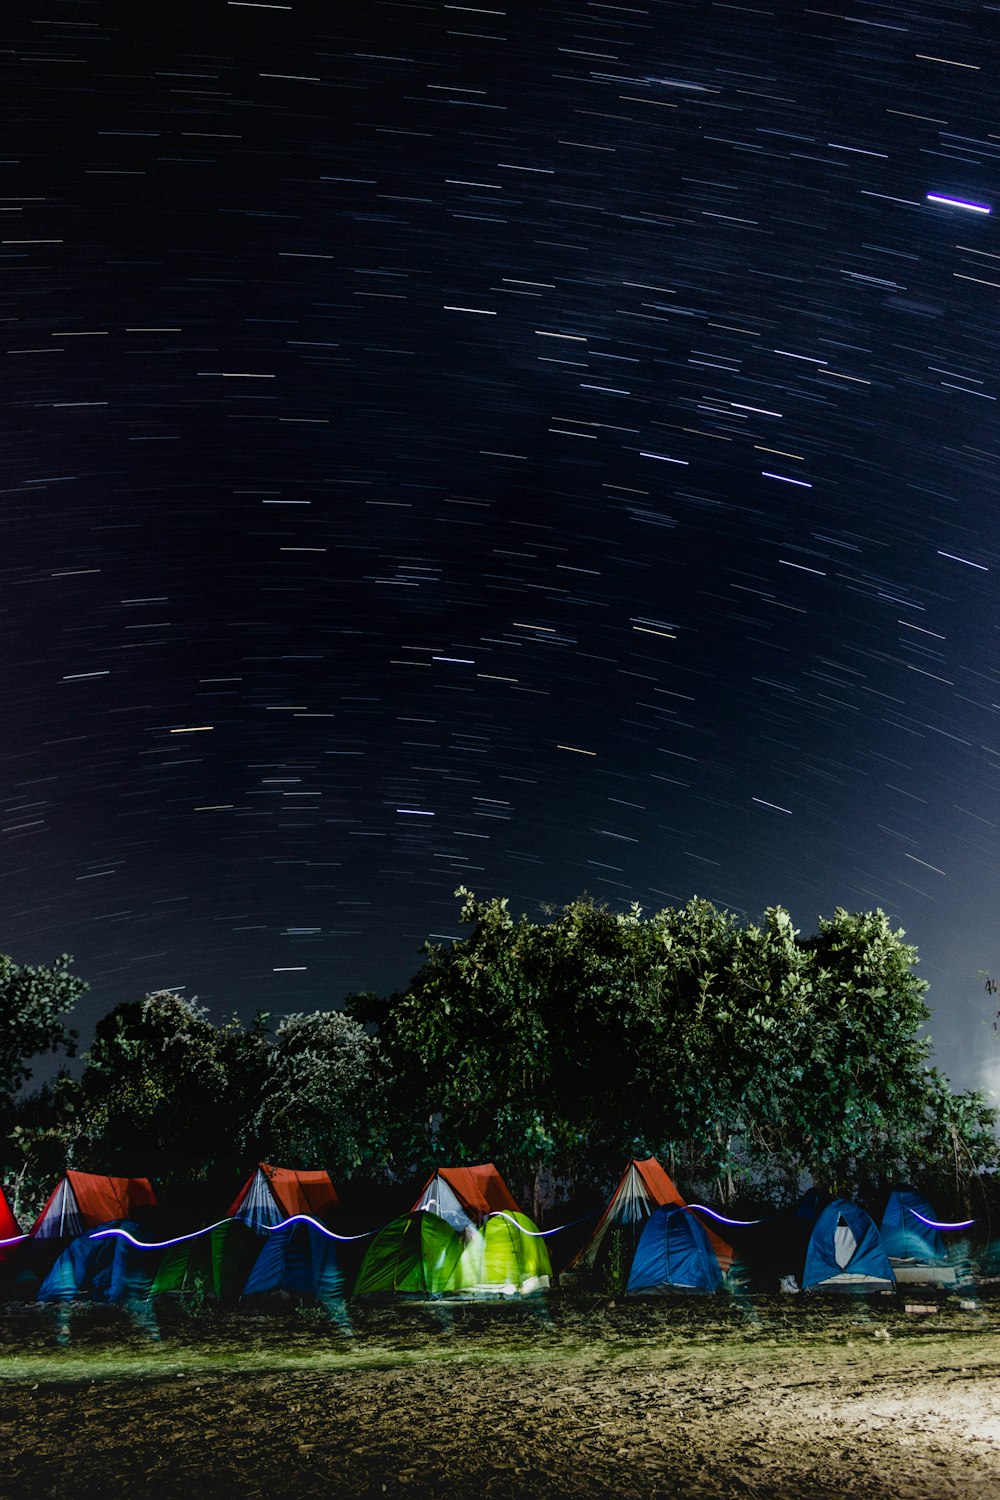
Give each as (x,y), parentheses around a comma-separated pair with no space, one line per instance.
(741,1054)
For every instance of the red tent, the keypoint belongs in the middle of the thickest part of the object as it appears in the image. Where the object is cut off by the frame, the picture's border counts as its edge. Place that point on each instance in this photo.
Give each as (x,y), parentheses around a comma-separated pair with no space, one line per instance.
(83,1200)
(9,1227)
(273,1194)
(466,1195)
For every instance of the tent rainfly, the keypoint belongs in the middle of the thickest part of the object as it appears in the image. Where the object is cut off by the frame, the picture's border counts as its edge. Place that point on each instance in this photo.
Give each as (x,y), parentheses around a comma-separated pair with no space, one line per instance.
(912,1240)
(845,1253)
(103,1267)
(85,1200)
(643,1188)
(514,1258)
(418,1253)
(215,1262)
(463,1196)
(674,1253)
(10,1232)
(272,1194)
(300,1259)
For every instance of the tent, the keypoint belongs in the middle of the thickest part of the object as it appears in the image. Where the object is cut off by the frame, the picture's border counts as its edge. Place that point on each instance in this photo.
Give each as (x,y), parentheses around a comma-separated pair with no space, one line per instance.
(912,1240)
(514,1258)
(644,1187)
(85,1200)
(465,1195)
(674,1253)
(418,1252)
(272,1194)
(213,1263)
(106,1267)
(10,1233)
(9,1227)
(845,1253)
(301,1259)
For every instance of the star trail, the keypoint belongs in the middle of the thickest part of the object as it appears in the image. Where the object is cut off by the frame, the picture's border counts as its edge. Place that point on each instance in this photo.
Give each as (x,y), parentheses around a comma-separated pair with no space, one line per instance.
(646,545)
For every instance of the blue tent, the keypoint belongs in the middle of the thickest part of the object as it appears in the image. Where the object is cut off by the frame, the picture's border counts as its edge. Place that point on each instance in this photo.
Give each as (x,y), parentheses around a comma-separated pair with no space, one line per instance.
(845,1252)
(102,1267)
(299,1258)
(673,1253)
(906,1234)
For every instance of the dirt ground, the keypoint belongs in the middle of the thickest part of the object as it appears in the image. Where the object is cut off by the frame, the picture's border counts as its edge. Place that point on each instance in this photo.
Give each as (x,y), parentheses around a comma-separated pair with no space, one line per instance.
(782,1399)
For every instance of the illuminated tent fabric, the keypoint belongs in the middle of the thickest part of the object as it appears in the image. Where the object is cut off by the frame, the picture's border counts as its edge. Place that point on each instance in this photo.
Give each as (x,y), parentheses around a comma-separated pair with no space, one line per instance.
(215,1262)
(644,1187)
(9,1227)
(85,1200)
(104,1267)
(298,1258)
(10,1232)
(904,1233)
(513,1258)
(417,1253)
(674,1253)
(916,1249)
(272,1194)
(845,1252)
(465,1195)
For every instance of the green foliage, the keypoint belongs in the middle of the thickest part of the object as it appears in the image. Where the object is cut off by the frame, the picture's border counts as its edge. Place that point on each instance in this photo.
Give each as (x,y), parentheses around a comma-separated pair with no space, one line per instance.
(320,1099)
(616,1262)
(44,1127)
(736,1052)
(157,1096)
(739,1051)
(33,1002)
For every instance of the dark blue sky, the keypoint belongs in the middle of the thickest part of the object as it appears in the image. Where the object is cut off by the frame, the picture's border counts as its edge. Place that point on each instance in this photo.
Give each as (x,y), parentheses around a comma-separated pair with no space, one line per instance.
(549,449)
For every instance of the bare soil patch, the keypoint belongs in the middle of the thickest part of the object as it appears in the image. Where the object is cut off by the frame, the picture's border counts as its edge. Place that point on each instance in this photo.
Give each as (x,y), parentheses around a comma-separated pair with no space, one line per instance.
(784,1399)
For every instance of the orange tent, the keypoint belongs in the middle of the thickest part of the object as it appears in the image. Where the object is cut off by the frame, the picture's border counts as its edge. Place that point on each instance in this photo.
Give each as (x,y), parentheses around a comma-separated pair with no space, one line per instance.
(83,1200)
(272,1194)
(645,1185)
(466,1195)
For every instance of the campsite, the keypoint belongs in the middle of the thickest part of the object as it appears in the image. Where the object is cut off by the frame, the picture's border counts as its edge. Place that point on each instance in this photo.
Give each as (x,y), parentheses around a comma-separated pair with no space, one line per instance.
(445,1353)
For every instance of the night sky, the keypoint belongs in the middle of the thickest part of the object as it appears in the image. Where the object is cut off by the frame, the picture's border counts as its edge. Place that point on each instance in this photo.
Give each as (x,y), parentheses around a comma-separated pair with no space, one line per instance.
(546,448)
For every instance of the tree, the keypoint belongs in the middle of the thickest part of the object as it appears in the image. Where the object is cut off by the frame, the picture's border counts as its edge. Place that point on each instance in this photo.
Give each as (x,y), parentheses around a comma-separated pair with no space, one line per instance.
(33,1002)
(156,1096)
(730,1050)
(319,1102)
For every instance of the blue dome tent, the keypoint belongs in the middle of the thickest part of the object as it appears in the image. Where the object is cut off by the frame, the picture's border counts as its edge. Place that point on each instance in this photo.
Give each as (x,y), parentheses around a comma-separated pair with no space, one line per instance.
(845,1253)
(913,1241)
(674,1253)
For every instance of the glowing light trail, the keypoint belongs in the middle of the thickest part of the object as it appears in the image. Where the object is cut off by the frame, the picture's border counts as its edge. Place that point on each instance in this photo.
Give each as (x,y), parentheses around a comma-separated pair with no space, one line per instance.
(973,208)
(936,1223)
(704,1209)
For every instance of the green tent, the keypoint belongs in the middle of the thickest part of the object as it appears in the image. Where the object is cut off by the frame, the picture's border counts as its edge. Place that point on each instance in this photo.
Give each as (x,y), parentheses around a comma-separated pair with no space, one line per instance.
(417,1253)
(215,1262)
(515,1260)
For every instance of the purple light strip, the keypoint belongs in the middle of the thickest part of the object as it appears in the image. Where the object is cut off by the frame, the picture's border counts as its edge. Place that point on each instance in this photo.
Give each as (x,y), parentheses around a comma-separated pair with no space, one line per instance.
(100,1234)
(165,1244)
(936,1224)
(704,1209)
(15,1241)
(537,1234)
